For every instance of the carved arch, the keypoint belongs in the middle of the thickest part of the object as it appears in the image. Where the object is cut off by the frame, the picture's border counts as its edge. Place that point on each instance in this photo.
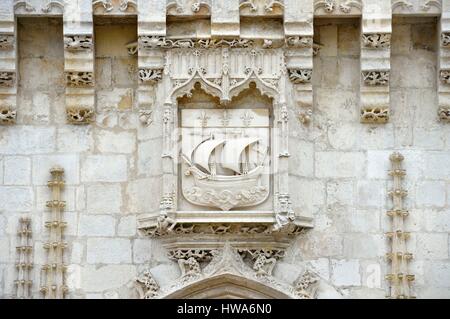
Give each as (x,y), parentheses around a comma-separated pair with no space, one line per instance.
(227,286)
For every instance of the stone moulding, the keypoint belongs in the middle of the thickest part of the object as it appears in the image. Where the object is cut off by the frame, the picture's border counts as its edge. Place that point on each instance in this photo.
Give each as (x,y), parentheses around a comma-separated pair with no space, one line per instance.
(7,78)
(300,76)
(7,115)
(376,77)
(444,114)
(376,40)
(375,115)
(399,279)
(79,42)
(79,79)
(6,41)
(80,115)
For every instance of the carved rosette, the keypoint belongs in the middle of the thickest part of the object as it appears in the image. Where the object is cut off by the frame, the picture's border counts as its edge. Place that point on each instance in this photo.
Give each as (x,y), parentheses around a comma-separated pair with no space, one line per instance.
(79,79)
(6,41)
(376,78)
(300,76)
(79,42)
(150,76)
(80,115)
(376,115)
(7,78)
(7,116)
(376,40)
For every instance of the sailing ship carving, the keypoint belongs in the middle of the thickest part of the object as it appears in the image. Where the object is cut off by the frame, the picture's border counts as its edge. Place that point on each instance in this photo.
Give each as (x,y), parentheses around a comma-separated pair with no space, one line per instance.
(224,176)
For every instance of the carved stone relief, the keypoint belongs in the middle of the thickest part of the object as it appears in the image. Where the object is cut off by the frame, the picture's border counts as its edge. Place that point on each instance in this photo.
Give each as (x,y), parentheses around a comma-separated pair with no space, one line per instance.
(298,76)
(444,114)
(376,40)
(260,7)
(376,78)
(6,41)
(188,7)
(7,115)
(7,79)
(299,42)
(108,6)
(79,79)
(445,39)
(147,286)
(79,42)
(80,115)
(375,115)
(150,76)
(444,76)
(335,6)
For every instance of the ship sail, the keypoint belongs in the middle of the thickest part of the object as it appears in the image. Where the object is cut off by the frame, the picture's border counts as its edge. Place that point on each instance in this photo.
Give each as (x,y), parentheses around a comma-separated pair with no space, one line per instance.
(203,152)
(231,153)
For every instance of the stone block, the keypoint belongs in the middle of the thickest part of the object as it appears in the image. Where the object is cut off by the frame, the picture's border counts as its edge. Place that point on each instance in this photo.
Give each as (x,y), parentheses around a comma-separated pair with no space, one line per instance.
(96,225)
(430,194)
(18,140)
(340,193)
(127,226)
(74,139)
(340,164)
(96,279)
(371,194)
(17,170)
(437,274)
(104,168)
(16,198)
(142,251)
(345,272)
(149,157)
(434,165)
(301,161)
(116,142)
(104,198)
(432,246)
(108,251)
(362,246)
(142,194)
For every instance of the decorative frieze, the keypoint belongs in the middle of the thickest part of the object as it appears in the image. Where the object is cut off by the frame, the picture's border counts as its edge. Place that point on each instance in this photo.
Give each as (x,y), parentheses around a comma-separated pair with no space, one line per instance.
(7,115)
(78,42)
(376,40)
(299,42)
(160,42)
(376,78)
(24,260)
(53,275)
(80,115)
(399,278)
(375,115)
(300,76)
(7,78)
(6,41)
(150,76)
(79,79)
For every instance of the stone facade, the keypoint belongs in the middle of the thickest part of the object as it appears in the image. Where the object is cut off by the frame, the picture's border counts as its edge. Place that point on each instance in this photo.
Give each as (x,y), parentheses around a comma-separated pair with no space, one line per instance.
(97,87)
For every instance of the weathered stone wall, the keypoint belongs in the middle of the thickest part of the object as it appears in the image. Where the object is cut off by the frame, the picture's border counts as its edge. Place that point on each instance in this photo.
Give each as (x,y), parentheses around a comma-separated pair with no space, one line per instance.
(113,168)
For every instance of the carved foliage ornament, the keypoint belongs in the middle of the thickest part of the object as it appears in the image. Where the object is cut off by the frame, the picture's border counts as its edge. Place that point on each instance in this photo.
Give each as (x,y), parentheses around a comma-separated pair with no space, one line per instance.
(147,286)
(80,115)
(158,42)
(376,40)
(7,79)
(300,76)
(108,6)
(376,78)
(79,78)
(7,116)
(445,39)
(269,5)
(445,76)
(78,42)
(6,41)
(444,114)
(150,76)
(345,6)
(375,115)
(299,42)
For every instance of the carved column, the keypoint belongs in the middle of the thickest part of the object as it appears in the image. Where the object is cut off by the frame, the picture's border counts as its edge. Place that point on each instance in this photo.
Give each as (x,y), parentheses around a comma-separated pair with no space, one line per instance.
(24,261)
(79,56)
(8,63)
(444,63)
(299,30)
(399,279)
(376,32)
(53,276)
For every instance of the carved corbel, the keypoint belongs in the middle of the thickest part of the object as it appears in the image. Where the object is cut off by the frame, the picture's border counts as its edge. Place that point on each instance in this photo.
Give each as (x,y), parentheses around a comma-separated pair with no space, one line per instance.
(7,115)
(375,115)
